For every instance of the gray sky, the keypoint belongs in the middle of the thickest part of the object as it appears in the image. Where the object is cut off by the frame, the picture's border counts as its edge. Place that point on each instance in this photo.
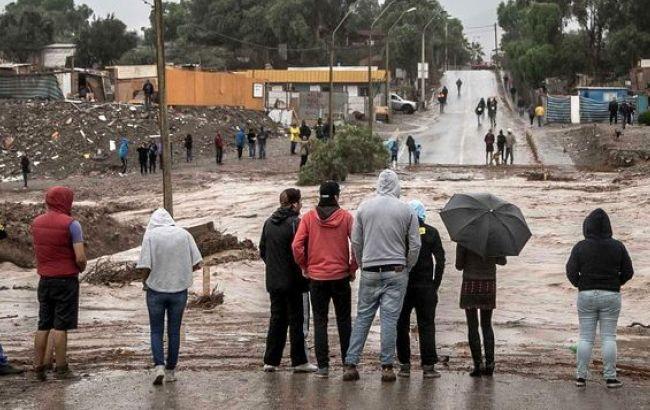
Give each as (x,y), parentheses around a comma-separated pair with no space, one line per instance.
(473,13)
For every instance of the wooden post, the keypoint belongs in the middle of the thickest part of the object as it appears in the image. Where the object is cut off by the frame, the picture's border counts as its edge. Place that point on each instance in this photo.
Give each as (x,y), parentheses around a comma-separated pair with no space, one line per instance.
(206,281)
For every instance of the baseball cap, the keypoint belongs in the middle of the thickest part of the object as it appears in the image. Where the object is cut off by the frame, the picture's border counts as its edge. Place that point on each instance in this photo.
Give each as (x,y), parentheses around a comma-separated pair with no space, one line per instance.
(329,189)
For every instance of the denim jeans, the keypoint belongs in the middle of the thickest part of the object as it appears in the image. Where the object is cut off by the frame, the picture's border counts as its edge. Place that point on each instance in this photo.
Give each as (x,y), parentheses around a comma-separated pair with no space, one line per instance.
(3,358)
(598,306)
(251,150)
(172,304)
(384,291)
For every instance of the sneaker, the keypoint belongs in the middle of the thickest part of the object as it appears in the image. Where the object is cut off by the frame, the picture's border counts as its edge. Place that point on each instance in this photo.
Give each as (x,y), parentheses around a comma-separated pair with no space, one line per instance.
(613,383)
(159,373)
(64,373)
(387,374)
(305,368)
(170,375)
(429,372)
(351,374)
(580,382)
(7,370)
(270,368)
(404,370)
(323,372)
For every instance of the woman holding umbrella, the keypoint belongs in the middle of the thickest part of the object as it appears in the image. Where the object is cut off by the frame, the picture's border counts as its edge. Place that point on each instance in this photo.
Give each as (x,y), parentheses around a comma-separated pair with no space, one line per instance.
(486,229)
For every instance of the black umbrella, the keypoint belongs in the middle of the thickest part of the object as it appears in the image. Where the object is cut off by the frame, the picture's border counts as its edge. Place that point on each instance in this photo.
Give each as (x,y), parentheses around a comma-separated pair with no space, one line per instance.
(486,224)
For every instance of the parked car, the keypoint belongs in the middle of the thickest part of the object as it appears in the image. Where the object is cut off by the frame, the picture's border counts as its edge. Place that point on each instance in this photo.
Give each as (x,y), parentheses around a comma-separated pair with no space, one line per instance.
(397,103)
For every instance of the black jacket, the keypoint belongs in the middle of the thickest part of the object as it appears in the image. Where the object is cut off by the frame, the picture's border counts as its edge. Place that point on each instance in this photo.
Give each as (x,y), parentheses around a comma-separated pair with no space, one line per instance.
(188,142)
(599,261)
(476,267)
(282,273)
(410,143)
(421,274)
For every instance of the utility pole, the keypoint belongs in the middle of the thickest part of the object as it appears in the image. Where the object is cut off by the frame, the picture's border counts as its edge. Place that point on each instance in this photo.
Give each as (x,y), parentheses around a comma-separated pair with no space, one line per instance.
(446,45)
(162,105)
(412,9)
(423,95)
(496,45)
(330,116)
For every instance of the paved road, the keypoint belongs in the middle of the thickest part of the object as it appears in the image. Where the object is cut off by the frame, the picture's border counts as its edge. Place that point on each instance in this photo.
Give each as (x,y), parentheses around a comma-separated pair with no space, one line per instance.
(454,137)
(256,390)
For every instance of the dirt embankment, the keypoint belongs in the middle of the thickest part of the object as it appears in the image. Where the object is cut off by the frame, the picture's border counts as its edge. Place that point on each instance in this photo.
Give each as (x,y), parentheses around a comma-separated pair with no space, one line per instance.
(62,138)
(103,234)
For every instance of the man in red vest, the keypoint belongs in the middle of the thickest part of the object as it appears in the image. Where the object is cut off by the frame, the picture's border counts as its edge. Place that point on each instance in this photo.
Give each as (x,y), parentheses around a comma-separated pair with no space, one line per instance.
(60,257)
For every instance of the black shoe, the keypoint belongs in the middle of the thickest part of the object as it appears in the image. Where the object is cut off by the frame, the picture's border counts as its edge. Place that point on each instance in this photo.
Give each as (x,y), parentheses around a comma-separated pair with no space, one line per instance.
(429,372)
(351,374)
(8,370)
(404,370)
(580,382)
(387,373)
(477,372)
(64,373)
(613,384)
(489,369)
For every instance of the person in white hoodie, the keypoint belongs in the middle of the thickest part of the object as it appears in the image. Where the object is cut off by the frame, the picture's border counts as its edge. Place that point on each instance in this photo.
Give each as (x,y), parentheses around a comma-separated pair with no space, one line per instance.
(386,243)
(169,255)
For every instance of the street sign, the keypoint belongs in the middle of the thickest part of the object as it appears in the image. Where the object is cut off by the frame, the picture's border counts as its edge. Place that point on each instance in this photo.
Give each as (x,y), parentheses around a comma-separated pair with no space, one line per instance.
(423,71)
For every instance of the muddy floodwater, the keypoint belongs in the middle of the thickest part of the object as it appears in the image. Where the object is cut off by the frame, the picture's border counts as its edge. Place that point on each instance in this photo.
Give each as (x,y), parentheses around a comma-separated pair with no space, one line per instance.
(535,320)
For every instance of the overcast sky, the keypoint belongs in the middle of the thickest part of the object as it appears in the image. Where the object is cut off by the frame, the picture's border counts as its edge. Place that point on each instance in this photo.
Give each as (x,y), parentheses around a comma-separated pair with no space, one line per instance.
(473,13)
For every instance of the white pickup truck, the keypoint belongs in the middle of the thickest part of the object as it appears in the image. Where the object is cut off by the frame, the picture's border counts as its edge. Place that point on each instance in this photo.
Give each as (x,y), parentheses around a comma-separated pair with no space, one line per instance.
(397,103)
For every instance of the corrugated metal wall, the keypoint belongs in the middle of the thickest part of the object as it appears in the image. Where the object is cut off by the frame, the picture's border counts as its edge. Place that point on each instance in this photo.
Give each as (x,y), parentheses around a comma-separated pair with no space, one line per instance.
(315,76)
(597,111)
(30,86)
(558,109)
(197,88)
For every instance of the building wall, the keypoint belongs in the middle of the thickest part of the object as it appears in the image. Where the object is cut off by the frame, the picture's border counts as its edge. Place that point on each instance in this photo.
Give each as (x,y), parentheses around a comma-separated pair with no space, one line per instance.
(55,57)
(128,90)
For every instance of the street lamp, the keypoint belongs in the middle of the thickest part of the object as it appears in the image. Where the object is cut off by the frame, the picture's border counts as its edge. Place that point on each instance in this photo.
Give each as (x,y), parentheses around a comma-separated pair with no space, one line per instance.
(371,101)
(330,108)
(412,9)
(423,82)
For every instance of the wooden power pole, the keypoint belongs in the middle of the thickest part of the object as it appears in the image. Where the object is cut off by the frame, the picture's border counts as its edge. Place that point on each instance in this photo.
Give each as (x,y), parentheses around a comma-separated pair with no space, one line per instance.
(162,105)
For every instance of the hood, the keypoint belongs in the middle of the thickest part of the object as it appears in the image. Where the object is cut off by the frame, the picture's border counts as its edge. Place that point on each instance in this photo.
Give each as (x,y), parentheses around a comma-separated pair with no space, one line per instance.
(281,214)
(597,225)
(160,218)
(388,183)
(419,209)
(328,215)
(124,141)
(59,199)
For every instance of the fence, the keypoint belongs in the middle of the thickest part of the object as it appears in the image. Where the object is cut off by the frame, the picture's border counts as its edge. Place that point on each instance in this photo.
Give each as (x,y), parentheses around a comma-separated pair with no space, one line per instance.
(25,87)
(559,109)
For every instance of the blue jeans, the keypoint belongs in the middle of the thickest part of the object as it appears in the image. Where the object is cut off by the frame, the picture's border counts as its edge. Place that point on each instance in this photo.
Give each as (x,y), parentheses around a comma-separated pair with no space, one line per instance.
(384,291)
(173,304)
(596,306)
(3,358)
(251,150)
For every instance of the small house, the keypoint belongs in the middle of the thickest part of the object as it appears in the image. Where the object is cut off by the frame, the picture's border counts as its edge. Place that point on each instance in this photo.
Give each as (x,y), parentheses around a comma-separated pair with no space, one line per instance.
(603,94)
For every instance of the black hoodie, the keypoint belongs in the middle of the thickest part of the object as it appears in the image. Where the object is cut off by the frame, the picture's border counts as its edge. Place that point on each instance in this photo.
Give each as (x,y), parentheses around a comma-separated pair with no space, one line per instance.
(282,273)
(599,262)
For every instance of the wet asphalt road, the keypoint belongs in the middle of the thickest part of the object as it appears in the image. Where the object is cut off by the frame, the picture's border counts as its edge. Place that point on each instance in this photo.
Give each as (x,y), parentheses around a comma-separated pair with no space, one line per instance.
(283,390)
(454,137)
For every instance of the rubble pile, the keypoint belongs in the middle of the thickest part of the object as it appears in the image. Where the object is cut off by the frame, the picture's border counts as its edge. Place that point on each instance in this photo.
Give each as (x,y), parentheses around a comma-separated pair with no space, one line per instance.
(63,138)
(103,235)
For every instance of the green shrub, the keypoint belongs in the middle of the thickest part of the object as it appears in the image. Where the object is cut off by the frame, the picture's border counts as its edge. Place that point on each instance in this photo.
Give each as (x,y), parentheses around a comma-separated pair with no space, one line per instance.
(644,118)
(353,150)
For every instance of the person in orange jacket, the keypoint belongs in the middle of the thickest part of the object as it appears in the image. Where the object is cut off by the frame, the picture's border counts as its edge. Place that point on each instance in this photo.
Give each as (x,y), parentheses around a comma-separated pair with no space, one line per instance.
(330,267)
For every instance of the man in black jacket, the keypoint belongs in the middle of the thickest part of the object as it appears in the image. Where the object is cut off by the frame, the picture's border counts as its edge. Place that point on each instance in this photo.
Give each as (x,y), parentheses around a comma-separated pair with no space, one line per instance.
(422,295)
(285,284)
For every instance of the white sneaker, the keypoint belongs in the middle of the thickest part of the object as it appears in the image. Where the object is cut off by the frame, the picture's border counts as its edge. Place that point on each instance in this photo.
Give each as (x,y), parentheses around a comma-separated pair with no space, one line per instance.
(305,368)
(159,373)
(170,376)
(270,369)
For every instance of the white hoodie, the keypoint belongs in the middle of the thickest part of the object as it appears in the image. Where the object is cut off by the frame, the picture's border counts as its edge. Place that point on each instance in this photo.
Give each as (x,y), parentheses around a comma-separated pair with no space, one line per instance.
(169,252)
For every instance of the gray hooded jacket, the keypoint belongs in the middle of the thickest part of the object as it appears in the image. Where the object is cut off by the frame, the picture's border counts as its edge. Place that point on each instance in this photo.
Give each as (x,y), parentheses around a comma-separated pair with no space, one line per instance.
(386,230)
(169,252)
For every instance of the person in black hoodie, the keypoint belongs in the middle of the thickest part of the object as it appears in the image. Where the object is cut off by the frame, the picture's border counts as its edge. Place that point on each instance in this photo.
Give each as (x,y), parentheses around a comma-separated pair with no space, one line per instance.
(188,148)
(143,158)
(598,266)
(422,295)
(285,285)
(24,168)
(410,143)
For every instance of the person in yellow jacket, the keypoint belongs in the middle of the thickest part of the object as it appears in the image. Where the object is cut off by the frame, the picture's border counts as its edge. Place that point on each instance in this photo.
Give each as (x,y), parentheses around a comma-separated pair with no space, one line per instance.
(294,137)
(539,113)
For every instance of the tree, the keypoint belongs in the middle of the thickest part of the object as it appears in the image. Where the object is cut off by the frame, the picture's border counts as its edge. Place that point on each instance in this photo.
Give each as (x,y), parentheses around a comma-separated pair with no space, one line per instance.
(67,19)
(104,41)
(24,32)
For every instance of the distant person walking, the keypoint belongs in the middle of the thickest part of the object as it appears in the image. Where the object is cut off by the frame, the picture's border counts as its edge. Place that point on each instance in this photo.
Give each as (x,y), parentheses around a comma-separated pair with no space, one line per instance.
(123,153)
(251,137)
(25,169)
(598,266)
(262,137)
(459,84)
(410,144)
(501,147)
(479,111)
(189,143)
(489,148)
(511,141)
(330,267)
(153,155)
(625,113)
(240,140)
(422,295)
(285,284)
(218,148)
(60,258)
(169,255)
(531,114)
(148,94)
(394,152)
(294,137)
(613,112)
(478,293)
(492,111)
(143,158)
(305,149)
(386,242)
(539,113)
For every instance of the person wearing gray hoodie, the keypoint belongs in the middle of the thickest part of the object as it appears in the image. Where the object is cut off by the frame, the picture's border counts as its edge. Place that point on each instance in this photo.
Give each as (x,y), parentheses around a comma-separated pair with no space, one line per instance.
(169,255)
(386,243)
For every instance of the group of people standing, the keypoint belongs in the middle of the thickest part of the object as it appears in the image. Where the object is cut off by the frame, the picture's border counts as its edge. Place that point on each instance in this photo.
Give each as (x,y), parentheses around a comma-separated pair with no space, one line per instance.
(625,110)
(147,157)
(256,142)
(301,136)
(505,147)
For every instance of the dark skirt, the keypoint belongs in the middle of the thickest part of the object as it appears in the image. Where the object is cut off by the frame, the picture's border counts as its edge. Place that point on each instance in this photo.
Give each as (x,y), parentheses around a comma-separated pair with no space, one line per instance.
(478,294)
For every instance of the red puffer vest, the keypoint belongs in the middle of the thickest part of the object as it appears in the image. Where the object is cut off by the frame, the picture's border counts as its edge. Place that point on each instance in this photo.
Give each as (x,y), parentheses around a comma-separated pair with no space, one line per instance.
(52,240)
